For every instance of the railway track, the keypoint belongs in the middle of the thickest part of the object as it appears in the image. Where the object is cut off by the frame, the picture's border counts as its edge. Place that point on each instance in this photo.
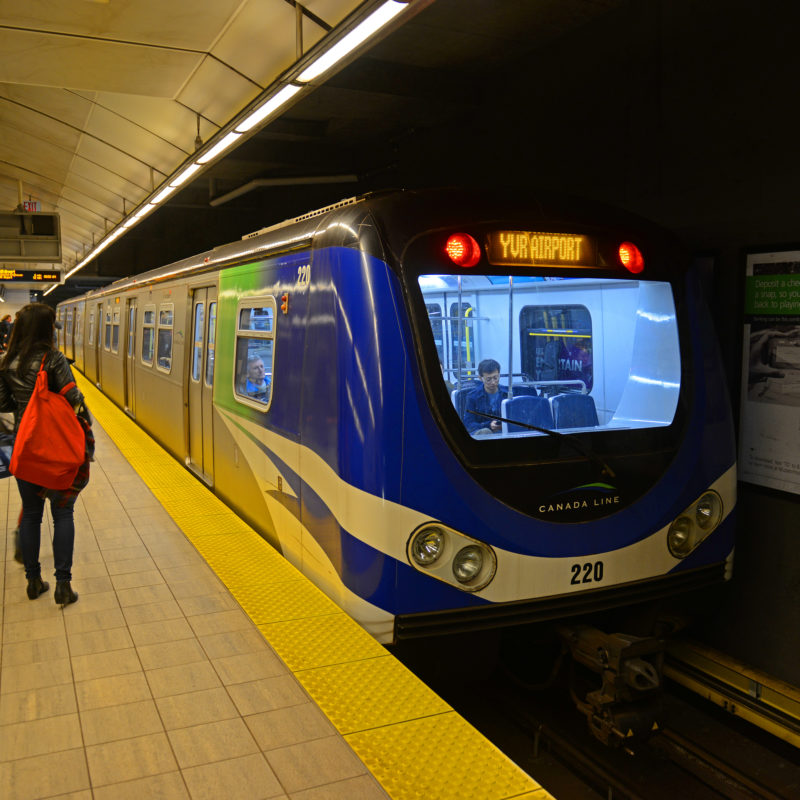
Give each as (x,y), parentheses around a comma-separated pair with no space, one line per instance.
(700,750)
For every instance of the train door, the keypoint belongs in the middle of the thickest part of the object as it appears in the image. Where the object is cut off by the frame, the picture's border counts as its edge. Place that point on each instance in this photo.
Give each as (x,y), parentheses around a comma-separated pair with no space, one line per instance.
(130,358)
(200,456)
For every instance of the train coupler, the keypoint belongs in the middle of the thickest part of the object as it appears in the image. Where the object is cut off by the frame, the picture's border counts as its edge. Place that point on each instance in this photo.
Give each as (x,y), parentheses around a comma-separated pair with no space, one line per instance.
(625,707)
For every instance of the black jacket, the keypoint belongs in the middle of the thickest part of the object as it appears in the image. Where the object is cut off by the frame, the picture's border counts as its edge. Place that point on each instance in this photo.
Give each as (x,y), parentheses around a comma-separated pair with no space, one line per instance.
(16,390)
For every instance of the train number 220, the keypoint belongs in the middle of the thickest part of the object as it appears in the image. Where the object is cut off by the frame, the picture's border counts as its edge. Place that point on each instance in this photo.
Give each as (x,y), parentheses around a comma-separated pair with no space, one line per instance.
(587,573)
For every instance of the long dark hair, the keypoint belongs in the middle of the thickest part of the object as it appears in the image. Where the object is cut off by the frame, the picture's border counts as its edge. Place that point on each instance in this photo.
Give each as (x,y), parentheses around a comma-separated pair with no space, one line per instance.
(32,333)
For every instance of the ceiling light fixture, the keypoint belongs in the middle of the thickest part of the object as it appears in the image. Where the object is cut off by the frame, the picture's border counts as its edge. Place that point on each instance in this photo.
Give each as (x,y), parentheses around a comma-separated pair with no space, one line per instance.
(374,22)
(268,108)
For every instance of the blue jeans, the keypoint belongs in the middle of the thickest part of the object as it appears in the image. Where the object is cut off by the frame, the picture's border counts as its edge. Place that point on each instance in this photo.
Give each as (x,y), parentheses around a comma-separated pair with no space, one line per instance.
(30,531)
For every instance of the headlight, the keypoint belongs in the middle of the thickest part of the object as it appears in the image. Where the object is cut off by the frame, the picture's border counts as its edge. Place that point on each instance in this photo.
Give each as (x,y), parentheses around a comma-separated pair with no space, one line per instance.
(708,510)
(427,546)
(695,524)
(467,563)
(679,537)
(450,556)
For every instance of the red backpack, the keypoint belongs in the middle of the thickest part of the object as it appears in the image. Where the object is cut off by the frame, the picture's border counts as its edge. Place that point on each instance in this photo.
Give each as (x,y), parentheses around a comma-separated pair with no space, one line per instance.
(50,445)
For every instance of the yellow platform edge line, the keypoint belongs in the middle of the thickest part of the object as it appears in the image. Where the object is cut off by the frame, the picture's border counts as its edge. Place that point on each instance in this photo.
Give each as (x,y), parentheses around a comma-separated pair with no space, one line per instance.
(382,731)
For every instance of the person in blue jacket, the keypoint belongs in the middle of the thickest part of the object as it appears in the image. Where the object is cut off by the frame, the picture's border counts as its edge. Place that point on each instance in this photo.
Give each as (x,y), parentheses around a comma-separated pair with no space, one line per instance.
(485,398)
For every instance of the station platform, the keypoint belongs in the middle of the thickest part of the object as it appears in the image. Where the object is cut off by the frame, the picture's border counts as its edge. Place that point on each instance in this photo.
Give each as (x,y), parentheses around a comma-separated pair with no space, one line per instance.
(198,663)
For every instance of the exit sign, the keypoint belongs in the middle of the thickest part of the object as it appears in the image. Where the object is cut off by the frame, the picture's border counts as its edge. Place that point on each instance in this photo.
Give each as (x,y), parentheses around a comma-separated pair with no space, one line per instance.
(31,205)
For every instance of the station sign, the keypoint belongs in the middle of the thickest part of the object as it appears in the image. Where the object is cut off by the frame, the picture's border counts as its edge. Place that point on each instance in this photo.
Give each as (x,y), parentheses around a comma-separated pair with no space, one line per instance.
(29,275)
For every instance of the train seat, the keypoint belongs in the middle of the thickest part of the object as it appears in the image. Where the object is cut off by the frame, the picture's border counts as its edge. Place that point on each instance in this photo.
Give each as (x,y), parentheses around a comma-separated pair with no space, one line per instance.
(524,389)
(526,408)
(459,396)
(574,411)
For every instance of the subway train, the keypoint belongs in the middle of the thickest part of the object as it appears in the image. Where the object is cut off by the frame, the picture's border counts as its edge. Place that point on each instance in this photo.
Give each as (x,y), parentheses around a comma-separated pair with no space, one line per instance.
(452,410)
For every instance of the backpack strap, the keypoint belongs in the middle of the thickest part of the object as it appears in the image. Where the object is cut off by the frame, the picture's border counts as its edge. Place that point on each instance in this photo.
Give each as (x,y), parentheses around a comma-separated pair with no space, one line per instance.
(70,385)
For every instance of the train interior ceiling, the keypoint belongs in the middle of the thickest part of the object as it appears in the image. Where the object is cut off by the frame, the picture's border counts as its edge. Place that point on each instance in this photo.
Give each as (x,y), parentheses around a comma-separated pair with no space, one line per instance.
(670,110)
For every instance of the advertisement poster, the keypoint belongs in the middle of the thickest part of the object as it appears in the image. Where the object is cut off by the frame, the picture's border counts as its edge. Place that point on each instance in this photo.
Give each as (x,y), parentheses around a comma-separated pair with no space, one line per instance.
(769,431)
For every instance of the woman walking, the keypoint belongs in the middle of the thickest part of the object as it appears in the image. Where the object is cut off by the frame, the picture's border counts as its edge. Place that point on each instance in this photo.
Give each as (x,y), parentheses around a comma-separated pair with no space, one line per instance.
(30,346)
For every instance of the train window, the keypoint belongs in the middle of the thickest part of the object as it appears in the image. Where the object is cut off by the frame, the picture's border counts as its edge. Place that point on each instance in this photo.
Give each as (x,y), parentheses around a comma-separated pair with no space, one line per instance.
(462,339)
(212,330)
(556,347)
(115,331)
(91,328)
(148,335)
(69,322)
(164,337)
(255,351)
(435,317)
(573,354)
(197,343)
(107,344)
(78,326)
(131,330)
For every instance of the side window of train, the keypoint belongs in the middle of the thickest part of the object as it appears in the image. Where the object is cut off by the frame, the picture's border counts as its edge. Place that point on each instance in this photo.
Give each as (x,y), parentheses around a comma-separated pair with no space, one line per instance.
(90,341)
(556,345)
(78,326)
(148,335)
(197,341)
(462,338)
(255,351)
(107,340)
(115,331)
(212,331)
(166,313)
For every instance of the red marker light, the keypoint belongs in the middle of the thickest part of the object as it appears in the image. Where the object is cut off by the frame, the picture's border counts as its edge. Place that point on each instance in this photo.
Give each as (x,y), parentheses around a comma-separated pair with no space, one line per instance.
(463,250)
(631,257)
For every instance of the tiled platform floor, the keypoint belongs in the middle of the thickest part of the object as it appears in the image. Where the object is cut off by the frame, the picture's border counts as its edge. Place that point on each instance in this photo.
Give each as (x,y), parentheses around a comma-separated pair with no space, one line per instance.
(155,684)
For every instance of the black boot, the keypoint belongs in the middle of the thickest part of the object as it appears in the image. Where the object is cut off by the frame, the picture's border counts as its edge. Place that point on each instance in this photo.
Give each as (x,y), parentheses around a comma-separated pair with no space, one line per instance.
(63,595)
(36,586)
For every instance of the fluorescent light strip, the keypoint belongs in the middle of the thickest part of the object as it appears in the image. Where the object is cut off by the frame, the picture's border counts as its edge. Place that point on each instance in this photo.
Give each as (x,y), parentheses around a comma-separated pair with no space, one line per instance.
(219,148)
(270,107)
(163,194)
(376,20)
(185,175)
(143,212)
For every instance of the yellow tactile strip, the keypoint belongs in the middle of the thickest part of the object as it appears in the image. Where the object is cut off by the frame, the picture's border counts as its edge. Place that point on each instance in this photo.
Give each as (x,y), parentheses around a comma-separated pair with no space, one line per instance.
(408,737)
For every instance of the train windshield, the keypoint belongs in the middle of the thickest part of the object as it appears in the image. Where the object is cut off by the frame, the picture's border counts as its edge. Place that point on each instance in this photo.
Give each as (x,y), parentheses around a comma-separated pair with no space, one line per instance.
(523,355)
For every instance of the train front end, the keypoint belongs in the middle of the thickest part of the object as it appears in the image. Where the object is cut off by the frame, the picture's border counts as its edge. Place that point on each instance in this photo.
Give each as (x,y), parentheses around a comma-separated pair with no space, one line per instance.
(568,433)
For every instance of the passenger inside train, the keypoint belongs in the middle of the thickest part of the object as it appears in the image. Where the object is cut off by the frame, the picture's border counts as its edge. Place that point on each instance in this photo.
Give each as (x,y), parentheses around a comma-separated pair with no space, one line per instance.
(256,383)
(485,399)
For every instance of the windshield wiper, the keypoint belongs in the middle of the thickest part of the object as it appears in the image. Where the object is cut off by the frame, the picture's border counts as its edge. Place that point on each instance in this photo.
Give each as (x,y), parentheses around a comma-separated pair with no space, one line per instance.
(570,440)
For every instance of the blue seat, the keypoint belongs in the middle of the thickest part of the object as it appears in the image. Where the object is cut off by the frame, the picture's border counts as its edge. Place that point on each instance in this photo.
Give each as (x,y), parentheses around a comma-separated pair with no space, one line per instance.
(527,408)
(574,411)
(459,398)
(524,388)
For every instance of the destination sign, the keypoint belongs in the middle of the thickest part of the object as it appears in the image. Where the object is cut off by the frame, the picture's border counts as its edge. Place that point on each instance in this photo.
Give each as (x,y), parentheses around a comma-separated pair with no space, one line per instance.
(533,248)
(28,275)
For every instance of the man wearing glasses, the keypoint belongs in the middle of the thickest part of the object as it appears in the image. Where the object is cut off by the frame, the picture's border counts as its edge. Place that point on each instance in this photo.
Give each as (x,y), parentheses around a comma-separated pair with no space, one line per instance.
(485,398)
